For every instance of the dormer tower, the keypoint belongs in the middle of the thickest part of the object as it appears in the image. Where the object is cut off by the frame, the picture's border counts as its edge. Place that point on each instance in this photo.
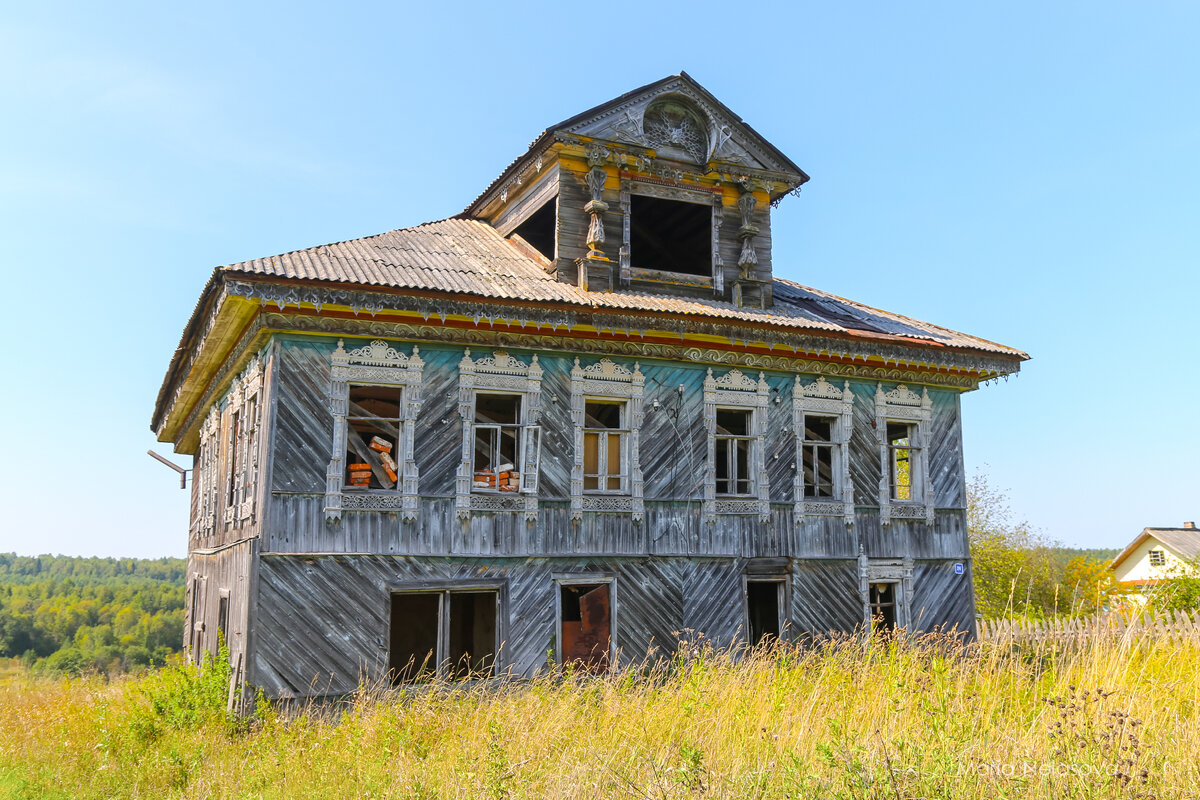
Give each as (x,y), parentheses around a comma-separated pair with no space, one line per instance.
(663,190)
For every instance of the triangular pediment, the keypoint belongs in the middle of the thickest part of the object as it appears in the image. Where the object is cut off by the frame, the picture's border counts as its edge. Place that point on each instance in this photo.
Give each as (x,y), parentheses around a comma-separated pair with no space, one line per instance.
(681,120)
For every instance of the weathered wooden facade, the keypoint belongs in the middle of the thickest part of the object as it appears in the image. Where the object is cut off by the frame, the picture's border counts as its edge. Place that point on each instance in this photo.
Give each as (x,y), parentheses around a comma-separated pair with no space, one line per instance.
(570,423)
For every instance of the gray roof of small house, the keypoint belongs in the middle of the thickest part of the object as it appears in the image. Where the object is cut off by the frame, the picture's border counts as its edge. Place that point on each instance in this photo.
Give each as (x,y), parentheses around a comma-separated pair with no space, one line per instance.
(1184,542)
(468,257)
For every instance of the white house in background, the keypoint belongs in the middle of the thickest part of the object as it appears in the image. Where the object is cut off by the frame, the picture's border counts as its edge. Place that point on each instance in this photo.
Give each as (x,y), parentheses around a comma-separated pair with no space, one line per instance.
(1157,554)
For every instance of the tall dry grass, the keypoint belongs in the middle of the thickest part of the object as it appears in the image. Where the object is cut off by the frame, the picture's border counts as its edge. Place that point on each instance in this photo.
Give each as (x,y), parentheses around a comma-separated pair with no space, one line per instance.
(851,719)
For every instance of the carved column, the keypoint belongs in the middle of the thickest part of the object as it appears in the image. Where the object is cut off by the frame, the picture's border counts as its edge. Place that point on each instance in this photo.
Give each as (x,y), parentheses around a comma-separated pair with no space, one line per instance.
(747,202)
(596,206)
(624,254)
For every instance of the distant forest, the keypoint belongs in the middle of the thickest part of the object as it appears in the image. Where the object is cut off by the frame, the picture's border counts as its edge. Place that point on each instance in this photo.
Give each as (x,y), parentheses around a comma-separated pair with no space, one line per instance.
(68,614)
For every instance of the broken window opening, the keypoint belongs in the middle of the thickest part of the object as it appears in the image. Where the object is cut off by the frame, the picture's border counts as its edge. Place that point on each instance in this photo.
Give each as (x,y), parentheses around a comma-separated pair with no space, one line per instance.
(670,235)
(762,610)
(817,457)
(541,229)
(902,458)
(222,621)
(733,452)
(1158,558)
(373,425)
(447,633)
(604,437)
(497,443)
(883,606)
(585,625)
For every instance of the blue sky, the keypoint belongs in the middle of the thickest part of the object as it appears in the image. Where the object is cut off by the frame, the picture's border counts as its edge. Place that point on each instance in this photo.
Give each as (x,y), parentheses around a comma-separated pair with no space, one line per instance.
(1025,172)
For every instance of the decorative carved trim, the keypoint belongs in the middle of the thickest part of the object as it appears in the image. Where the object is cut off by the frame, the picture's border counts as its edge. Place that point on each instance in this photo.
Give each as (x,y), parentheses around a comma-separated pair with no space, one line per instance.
(904,405)
(674,126)
(206,473)
(886,570)
(748,257)
(825,399)
(608,379)
(623,257)
(499,372)
(739,391)
(374,363)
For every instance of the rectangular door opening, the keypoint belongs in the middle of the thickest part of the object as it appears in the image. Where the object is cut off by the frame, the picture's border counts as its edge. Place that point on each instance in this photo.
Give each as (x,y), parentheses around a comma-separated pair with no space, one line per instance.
(414,638)
(586,625)
(883,606)
(472,645)
(762,611)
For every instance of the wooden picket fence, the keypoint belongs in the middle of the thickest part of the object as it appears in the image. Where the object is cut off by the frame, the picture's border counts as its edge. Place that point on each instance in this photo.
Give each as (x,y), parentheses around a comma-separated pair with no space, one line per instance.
(1117,625)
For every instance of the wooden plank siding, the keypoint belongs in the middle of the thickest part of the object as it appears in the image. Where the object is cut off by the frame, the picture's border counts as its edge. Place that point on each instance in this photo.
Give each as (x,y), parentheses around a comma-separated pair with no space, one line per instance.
(321,607)
(230,570)
(322,621)
(673,458)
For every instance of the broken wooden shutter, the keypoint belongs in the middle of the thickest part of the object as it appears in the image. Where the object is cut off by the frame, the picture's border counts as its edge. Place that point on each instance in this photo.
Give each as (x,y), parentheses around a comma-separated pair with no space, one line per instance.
(531,454)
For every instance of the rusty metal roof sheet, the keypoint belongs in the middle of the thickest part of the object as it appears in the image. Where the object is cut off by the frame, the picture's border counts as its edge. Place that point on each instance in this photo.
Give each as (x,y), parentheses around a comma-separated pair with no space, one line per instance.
(468,257)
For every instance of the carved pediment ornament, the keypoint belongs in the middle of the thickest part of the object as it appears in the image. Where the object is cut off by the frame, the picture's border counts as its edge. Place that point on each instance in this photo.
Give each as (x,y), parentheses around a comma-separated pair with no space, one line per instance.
(669,123)
(378,353)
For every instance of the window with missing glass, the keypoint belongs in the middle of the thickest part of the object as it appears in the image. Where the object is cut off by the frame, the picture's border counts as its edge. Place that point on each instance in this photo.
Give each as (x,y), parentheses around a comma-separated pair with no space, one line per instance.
(902,420)
(498,443)
(903,455)
(499,402)
(375,393)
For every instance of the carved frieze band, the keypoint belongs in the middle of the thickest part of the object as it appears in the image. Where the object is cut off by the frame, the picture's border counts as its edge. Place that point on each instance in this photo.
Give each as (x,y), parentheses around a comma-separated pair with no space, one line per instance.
(376,362)
(607,379)
(550,320)
(824,398)
(904,405)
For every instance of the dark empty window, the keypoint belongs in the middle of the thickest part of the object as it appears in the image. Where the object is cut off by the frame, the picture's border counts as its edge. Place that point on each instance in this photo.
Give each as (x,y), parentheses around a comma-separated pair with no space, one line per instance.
(670,235)
(762,610)
(540,229)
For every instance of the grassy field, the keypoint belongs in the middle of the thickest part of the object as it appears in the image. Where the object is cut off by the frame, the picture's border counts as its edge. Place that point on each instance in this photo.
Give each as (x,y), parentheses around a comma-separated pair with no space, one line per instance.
(850,720)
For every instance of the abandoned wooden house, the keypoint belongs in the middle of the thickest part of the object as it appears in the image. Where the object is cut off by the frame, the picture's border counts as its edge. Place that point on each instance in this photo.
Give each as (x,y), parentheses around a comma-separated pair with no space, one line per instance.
(578,418)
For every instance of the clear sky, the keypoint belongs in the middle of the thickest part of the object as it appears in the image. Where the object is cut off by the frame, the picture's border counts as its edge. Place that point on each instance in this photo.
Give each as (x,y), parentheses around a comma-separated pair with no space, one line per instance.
(1028,172)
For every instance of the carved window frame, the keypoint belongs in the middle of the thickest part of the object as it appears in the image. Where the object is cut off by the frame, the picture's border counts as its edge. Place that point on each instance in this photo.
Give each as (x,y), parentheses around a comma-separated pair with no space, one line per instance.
(679,194)
(208,460)
(737,391)
(374,364)
(608,381)
(904,405)
(897,571)
(823,399)
(499,373)
(245,406)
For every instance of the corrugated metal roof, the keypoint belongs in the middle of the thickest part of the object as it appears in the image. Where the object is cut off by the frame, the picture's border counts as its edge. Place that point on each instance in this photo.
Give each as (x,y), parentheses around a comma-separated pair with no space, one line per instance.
(469,257)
